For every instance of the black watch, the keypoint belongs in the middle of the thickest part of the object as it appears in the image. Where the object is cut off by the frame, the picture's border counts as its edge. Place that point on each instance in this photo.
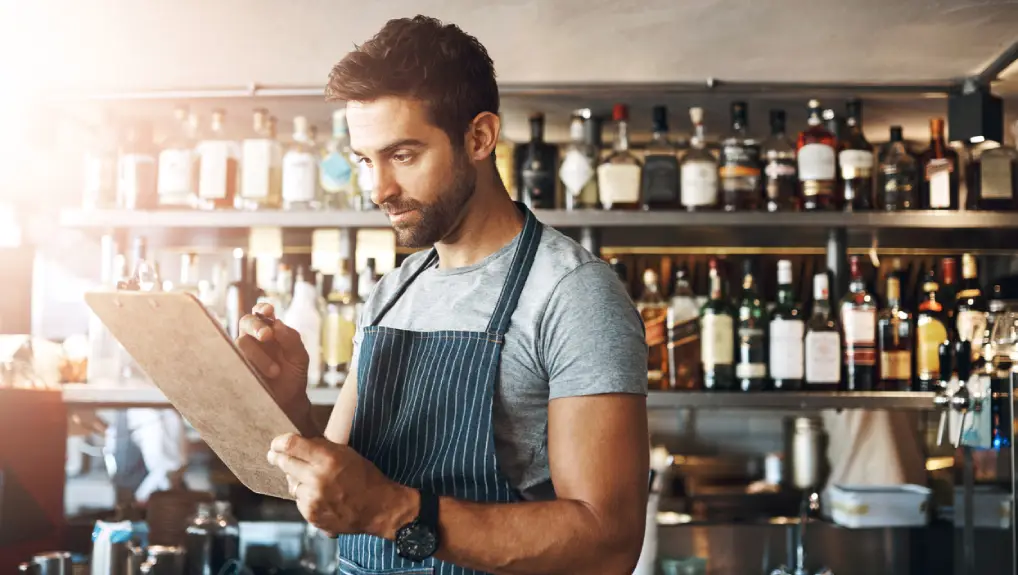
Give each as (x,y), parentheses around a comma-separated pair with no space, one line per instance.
(418,539)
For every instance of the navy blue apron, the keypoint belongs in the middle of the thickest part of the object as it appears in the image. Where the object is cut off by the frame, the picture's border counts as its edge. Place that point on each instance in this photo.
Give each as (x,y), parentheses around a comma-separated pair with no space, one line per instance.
(424,409)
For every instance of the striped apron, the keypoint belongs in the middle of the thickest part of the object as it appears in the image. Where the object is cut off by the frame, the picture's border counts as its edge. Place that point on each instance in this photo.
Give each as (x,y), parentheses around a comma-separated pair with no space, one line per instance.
(424,412)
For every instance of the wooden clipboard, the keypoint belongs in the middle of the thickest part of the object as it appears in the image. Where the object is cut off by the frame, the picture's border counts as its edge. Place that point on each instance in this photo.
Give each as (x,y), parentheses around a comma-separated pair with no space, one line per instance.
(203,374)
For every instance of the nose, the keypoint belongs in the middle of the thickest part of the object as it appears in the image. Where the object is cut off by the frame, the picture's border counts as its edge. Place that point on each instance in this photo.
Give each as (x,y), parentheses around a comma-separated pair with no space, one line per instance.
(386,187)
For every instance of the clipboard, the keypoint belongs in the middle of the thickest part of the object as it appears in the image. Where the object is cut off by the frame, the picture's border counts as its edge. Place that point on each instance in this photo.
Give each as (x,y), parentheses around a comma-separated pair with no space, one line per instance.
(204,376)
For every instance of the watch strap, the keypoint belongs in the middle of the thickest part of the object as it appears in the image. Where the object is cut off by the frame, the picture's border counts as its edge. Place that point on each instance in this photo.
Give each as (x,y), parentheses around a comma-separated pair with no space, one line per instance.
(428,513)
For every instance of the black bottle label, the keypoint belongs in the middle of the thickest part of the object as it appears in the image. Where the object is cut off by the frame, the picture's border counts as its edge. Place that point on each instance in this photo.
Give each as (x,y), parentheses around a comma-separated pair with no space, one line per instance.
(739,168)
(538,181)
(661,179)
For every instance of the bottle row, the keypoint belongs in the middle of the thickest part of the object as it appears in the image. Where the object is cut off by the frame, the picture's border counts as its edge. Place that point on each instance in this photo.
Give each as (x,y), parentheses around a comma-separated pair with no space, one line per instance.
(856,344)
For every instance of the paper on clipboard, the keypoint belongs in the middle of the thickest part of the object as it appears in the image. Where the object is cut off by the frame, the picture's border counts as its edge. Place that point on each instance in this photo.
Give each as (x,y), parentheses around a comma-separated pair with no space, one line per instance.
(204,376)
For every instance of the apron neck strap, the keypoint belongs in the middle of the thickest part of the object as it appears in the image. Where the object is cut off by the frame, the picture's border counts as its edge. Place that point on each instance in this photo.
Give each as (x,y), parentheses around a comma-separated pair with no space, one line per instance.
(519,269)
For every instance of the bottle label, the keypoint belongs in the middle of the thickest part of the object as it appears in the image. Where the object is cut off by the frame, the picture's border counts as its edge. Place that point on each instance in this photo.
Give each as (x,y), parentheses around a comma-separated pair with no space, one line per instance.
(816,162)
(899,185)
(214,170)
(971,326)
(575,172)
(699,183)
(299,177)
(338,339)
(684,353)
(823,361)
(995,176)
(751,354)
(537,181)
(661,178)
(619,184)
(739,168)
(136,179)
(786,343)
(930,333)
(654,327)
(717,340)
(896,365)
(860,327)
(256,169)
(176,172)
(335,173)
(938,173)
(855,163)
(781,177)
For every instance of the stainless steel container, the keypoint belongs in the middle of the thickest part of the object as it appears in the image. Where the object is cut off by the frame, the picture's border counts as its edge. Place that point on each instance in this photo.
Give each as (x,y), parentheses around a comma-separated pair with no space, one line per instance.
(164,561)
(806,453)
(55,563)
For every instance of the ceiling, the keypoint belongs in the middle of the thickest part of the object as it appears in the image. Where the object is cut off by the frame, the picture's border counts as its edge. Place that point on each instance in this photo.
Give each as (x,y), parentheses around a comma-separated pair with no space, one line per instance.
(114,45)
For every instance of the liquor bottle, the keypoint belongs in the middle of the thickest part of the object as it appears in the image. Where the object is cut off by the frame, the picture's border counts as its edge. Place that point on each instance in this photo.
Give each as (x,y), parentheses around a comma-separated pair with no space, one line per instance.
(261,182)
(816,163)
(822,344)
(366,279)
(992,179)
(590,197)
(894,338)
(300,170)
(218,167)
(898,176)
(717,345)
(303,315)
(340,325)
(938,170)
(618,176)
(176,180)
(660,186)
(136,169)
(858,319)
(856,160)
(683,323)
(949,290)
(188,274)
(536,161)
(653,309)
(504,163)
(239,293)
(739,165)
(99,189)
(785,335)
(751,363)
(699,171)
(780,175)
(971,307)
(577,169)
(336,170)
(931,331)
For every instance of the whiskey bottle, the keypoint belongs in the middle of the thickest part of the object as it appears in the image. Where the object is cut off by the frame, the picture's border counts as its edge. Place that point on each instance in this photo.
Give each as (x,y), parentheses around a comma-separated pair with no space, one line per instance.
(536,163)
(683,323)
(856,160)
(781,180)
(816,163)
(653,309)
(336,170)
(261,182)
(739,165)
(176,180)
(992,179)
(218,167)
(971,307)
(858,313)
(949,290)
(660,185)
(699,170)
(898,176)
(931,331)
(300,170)
(577,170)
(785,335)
(938,171)
(618,177)
(822,345)
(751,363)
(717,344)
(894,338)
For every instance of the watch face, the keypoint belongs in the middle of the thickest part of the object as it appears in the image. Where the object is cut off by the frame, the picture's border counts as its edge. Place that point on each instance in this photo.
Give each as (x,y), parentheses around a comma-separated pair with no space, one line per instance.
(416,542)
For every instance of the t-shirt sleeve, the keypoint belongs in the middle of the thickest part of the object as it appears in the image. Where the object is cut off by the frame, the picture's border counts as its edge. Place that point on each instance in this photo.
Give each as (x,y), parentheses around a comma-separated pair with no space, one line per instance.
(592,337)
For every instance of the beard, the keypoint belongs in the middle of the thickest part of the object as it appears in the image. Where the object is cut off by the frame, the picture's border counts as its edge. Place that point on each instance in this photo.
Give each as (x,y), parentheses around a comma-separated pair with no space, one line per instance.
(436,220)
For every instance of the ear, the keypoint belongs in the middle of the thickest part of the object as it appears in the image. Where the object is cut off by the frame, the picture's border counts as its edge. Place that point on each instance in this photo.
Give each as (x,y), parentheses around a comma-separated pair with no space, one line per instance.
(482,135)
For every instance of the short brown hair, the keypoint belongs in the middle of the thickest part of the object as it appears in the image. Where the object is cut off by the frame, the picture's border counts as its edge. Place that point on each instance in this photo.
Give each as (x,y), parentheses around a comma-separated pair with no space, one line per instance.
(442,66)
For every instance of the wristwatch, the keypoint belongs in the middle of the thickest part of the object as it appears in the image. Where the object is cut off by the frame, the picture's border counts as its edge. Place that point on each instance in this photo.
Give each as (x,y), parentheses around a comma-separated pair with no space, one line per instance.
(418,539)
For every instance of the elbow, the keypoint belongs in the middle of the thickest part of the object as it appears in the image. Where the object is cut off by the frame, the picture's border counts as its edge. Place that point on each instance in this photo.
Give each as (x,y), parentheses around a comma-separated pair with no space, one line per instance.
(621,546)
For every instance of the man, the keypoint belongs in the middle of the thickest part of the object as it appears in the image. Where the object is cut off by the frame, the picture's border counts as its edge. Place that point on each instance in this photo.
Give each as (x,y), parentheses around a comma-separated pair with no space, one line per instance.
(495,417)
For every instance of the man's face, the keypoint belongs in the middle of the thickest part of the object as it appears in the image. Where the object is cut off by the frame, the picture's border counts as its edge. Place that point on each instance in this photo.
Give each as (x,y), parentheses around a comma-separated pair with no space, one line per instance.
(421,180)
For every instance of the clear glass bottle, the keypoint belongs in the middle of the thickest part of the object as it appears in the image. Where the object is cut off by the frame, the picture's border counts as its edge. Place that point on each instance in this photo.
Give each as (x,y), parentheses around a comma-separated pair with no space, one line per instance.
(261,184)
(336,172)
(895,341)
(136,169)
(856,160)
(218,167)
(177,181)
(618,176)
(304,316)
(239,293)
(781,180)
(300,170)
(739,165)
(366,279)
(699,170)
(653,309)
(751,337)
(992,178)
(683,323)
(717,335)
(577,169)
(537,163)
(939,172)
(822,345)
(858,316)
(787,329)
(898,176)
(816,163)
(660,185)
(340,325)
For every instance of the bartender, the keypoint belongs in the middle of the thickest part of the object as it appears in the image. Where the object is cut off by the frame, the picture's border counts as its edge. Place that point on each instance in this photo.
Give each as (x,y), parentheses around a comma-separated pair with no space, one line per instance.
(494,419)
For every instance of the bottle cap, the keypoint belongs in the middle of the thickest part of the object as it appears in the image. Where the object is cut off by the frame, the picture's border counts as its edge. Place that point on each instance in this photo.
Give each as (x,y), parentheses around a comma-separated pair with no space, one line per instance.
(784,272)
(696,116)
(620,113)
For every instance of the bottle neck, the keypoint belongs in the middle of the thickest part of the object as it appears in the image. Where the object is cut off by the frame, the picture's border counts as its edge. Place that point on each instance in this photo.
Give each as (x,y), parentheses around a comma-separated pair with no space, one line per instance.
(621,136)
(716,291)
(822,307)
(785,295)
(698,138)
(536,131)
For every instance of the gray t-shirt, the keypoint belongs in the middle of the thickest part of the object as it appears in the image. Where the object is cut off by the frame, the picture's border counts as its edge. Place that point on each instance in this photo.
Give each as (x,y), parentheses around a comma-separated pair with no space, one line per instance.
(574,332)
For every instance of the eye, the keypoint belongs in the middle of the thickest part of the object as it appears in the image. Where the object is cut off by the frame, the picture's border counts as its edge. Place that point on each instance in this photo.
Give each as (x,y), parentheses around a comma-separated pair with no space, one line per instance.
(403,157)
(364,161)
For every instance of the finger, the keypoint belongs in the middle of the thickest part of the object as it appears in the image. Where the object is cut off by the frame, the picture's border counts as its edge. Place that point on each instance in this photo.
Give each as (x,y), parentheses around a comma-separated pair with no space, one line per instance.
(301,471)
(300,447)
(288,338)
(252,325)
(291,486)
(266,309)
(256,354)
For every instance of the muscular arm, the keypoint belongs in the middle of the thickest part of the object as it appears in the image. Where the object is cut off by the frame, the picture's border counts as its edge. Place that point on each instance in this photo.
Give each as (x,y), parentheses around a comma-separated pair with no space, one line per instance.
(341,420)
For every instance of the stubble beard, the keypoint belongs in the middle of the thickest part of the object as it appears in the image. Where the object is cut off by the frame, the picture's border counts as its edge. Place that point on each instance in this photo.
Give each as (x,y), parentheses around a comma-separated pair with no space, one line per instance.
(436,221)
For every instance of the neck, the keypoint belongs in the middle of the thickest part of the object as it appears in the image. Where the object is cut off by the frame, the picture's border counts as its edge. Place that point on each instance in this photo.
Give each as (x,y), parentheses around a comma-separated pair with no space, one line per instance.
(488,222)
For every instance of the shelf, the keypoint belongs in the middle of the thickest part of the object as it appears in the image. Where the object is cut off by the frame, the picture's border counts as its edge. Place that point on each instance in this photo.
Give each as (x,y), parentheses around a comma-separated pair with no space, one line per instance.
(807,401)
(106,219)
(96,396)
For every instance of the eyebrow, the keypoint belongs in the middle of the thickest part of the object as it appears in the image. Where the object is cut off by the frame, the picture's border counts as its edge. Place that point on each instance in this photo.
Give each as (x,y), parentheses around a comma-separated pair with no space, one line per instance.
(407,143)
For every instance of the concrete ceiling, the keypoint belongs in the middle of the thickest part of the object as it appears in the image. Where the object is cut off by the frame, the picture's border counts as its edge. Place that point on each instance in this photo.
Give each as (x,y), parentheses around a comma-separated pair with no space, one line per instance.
(113,45)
